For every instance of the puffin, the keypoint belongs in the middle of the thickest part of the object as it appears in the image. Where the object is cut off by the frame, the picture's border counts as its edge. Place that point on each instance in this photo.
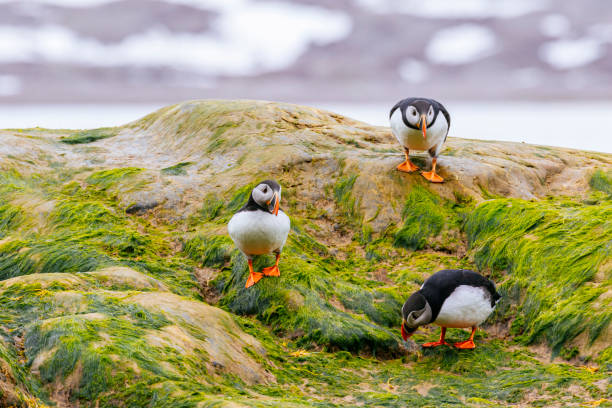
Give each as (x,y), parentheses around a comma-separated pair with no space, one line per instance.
(457,298)
(260,227)
(420,124)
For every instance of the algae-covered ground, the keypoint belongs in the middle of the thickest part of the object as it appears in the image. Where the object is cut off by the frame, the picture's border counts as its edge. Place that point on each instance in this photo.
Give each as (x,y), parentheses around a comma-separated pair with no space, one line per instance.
(120,287)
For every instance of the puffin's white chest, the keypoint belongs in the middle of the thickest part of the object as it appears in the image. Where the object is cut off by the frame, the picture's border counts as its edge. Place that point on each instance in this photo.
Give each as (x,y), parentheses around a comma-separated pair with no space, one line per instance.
(467,306)
(259,232)
(413,138)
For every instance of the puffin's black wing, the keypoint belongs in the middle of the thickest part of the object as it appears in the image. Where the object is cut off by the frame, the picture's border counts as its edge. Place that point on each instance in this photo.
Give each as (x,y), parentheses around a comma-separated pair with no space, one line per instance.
(442,109)
(441,284)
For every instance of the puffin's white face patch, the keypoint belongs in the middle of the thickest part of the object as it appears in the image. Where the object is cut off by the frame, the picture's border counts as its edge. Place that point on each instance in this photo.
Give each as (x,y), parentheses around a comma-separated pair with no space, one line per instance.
(467,306)
(262,194)
(412,116)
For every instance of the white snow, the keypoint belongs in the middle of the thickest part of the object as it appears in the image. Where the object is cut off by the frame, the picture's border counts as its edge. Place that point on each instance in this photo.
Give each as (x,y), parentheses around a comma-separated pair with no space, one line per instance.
(9,85)
(203,4)
(413,71)
(456,8)
(568,54)
(554,25)
(527,77)
(602,32)
(461,44)
(248,39)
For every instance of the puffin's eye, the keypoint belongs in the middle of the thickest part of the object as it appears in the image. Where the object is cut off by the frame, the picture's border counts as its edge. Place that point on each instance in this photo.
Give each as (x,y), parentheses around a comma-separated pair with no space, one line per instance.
(413,112)
(265,190)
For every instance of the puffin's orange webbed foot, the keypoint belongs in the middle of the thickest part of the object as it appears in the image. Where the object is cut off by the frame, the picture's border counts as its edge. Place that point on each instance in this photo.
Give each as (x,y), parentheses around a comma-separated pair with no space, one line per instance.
(435,344)
(469,343)
(432,176)
(254,277)
(439,342)
(407,167)
(466,345)
(271,271)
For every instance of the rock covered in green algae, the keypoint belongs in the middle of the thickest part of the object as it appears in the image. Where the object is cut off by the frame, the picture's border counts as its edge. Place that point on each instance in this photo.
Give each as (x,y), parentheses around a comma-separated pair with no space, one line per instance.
(113,241)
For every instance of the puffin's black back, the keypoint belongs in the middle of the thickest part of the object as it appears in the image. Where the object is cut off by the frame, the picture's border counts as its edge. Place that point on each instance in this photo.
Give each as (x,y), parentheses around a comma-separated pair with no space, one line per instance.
(441,284)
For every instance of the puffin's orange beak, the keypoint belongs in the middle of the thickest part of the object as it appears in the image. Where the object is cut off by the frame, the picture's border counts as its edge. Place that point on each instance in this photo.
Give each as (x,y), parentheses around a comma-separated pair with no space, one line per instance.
(404,334)
(277,203)
(424,126)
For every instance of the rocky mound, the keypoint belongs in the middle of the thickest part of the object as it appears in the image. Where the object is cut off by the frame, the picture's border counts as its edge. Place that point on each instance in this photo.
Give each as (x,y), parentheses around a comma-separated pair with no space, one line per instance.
(121,288)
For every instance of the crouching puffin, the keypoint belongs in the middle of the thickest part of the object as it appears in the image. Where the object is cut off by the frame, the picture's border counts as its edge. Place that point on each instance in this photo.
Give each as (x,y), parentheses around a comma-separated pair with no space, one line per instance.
(418,125)
(450,298)
(260,228)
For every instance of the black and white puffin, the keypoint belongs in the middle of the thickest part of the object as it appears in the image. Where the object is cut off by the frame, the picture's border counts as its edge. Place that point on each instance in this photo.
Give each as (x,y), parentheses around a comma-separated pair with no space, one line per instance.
(450,298)
(260,227)
(418,125)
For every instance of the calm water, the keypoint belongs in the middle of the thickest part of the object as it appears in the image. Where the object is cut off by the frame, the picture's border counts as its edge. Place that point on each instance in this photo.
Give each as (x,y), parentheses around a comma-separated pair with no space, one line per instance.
(581,125)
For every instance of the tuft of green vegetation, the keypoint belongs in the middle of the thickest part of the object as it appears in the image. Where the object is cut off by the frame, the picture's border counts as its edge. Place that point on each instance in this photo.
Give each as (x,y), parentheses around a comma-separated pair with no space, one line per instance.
(88,136)
(347,203)
(240,198)
(211,207)
(10,218)
(177,169)
(209,251)
(106,178)
(425,215)
(602,181)
(216,139)
(551,252)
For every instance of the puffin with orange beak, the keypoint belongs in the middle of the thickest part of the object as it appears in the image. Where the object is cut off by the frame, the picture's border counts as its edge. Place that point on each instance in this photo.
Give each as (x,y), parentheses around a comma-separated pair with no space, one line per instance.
(457,298)
(418,125)
(260,227)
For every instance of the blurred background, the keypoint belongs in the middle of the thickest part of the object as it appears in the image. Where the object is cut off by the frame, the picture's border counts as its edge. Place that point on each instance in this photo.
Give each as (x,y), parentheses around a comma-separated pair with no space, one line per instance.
(538,71)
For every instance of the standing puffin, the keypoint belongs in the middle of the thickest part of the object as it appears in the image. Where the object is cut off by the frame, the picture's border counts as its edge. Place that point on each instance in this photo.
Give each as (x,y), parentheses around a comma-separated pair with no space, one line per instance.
(260,228)
(450,298)
(418,125)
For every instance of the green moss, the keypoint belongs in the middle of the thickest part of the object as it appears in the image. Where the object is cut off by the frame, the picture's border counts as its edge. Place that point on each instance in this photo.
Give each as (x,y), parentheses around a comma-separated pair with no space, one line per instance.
(347,203)
(209,251)
(602,181)
(216,139)
(240,198)
(211,207)
(106,178)
(88,136)
(177,169)
(10,218)
(301,302)
(551,251)
(423,218)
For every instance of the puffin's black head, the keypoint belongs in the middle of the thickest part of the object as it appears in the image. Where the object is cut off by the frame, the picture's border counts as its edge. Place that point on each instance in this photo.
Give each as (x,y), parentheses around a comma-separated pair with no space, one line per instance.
(267,195)
(420,113)
(415,312)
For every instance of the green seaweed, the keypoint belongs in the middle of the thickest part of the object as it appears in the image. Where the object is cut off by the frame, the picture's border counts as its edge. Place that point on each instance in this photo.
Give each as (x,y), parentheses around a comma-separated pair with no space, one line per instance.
(550,251)
(602,181)
(106,178)
(88,136)
(177,169)
(424,215)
